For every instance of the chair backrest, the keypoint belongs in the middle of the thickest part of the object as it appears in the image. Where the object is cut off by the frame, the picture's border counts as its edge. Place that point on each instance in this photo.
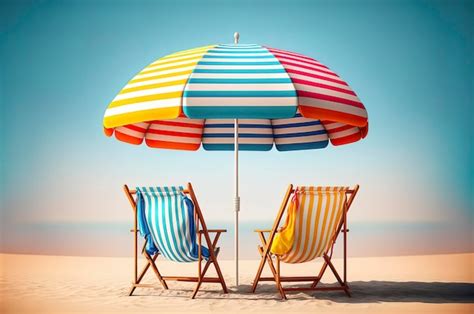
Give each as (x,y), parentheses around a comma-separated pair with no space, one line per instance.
(318,214)
(167,219)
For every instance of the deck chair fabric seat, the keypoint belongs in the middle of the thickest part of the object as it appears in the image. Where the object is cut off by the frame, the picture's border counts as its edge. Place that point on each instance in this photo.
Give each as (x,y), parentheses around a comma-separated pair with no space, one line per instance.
(315,216)
(166,220)
(310,224)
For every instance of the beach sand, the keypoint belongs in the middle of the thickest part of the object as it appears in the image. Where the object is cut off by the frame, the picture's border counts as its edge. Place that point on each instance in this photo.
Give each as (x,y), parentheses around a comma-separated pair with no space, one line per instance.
(59,284)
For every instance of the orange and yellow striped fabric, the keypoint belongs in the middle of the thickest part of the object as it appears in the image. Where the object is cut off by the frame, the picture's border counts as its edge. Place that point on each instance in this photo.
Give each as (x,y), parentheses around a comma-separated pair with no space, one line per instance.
(317,213)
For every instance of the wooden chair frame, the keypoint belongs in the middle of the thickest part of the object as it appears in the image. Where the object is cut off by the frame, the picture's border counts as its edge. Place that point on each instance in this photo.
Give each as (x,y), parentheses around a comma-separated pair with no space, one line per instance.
(151,260)
(266,255)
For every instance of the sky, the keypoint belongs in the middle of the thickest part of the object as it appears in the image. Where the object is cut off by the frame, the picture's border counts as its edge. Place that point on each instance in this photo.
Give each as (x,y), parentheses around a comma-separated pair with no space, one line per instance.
(62,62)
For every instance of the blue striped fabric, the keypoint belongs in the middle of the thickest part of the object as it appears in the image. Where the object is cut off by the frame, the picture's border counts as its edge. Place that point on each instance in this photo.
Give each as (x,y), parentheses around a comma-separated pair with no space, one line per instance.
(239,81)
(254,134)
(166,220)
(299,133)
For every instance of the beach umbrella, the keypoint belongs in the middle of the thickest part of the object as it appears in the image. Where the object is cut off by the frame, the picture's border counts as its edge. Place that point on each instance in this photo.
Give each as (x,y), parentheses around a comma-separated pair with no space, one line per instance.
(236,97)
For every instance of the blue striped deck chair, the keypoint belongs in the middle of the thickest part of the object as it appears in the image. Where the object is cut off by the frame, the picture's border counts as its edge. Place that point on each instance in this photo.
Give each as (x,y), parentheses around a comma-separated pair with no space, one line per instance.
(171,222)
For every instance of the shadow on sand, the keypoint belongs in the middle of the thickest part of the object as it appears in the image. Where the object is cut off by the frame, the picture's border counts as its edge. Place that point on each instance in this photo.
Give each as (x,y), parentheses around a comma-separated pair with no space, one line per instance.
(383,291)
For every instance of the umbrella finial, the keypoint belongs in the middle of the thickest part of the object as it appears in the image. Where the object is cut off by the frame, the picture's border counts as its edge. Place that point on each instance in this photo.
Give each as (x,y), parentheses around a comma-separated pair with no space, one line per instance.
(236,37)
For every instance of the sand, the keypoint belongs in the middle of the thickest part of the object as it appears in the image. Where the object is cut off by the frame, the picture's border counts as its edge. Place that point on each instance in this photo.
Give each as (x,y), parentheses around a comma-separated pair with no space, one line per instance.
(59,284)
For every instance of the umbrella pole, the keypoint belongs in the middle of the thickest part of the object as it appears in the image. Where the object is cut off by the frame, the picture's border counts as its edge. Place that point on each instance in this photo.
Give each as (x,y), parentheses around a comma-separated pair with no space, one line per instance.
(236,196)
(236,200)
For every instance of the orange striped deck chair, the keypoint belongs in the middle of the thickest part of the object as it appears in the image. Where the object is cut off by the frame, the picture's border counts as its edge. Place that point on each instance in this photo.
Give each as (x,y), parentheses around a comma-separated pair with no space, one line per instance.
(315,216)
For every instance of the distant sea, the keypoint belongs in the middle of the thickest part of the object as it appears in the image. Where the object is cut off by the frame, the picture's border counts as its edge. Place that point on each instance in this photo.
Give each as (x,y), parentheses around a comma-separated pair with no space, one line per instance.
(115,239)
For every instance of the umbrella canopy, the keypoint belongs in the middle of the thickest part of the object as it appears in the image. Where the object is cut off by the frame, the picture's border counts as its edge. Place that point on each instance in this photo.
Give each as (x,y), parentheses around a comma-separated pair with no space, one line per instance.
(235,81)
(236,97)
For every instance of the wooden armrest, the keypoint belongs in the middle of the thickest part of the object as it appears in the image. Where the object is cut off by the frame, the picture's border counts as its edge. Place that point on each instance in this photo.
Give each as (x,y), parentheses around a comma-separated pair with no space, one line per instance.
(213,230)
(262,230)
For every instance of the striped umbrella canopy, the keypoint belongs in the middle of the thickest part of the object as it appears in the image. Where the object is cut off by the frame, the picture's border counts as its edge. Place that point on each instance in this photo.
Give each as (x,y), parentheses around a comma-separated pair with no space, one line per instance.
(236,97)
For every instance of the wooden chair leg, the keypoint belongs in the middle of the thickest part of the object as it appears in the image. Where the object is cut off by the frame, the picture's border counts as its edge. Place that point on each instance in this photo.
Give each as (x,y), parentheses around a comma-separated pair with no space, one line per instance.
(277,279)
(202,273)
(274,271)
(208,263)
(346,287)
(320,275)
(132,289)
(262,262)
(196,289)
(140,277)
(151,262)
(221,277)
(199,267)
(334,271)
(347,290)
(216,264)
(259,273)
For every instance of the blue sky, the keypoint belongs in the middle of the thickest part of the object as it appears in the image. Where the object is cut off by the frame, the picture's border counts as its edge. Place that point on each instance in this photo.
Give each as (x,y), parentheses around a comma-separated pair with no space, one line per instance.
(62,62)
